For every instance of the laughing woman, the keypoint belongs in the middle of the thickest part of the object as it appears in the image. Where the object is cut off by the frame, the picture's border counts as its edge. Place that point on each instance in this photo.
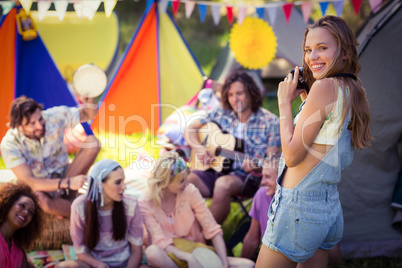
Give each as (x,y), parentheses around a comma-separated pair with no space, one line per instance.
(305,216)
(20,223)
(106,225)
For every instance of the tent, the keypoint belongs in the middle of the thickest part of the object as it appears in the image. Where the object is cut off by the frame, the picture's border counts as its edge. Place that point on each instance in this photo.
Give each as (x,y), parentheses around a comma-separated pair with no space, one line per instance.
(76,41)
(156,74)
(368,183)
(26,68)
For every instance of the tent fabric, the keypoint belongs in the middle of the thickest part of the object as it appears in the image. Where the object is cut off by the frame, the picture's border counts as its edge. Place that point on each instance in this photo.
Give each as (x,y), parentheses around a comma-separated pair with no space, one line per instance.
(156,75)
(74,42)
(179,72)
(134,86)
(33,72)
(7,67)
(368,183)
(7,52)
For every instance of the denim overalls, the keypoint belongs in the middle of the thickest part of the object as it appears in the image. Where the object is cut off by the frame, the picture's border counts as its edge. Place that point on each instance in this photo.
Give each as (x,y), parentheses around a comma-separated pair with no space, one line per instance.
(309,217)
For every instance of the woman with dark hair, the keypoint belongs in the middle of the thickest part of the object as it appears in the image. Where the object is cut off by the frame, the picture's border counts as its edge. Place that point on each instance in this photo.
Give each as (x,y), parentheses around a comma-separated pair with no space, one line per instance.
(20,223)
(305,215)
(105,225)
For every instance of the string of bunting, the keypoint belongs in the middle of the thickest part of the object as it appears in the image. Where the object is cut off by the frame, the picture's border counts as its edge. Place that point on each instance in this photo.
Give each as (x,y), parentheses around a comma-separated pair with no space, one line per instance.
(267,11)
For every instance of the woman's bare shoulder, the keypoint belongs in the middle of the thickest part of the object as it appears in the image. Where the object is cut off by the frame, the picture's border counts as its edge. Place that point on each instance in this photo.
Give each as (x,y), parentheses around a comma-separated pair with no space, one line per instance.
(322,90)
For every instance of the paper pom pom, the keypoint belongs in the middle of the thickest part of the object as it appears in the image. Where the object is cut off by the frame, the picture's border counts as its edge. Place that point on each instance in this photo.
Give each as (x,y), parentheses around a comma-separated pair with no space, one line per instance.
(253,43)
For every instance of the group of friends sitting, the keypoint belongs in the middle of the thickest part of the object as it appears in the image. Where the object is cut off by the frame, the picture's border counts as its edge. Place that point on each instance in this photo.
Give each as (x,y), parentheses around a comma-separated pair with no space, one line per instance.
(109,228)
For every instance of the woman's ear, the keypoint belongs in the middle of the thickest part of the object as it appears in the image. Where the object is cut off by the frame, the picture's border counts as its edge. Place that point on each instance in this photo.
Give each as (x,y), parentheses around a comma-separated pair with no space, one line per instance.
(344,55)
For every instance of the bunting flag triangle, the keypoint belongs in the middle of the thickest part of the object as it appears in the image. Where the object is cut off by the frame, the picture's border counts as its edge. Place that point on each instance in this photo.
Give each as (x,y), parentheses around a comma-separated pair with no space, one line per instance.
(324,7)
(61,8)
(202,9)
(272,12)
(241,15)
(356,5)
(338,5)
(375,5)
(306,10)
(43,7)
(287,10)
(229,14)
(175,4)
(109,6)
(260,12)
(162,4)
(189,6)
(7,6)
(26,4)
(90,8)
(216,13)
(78,6)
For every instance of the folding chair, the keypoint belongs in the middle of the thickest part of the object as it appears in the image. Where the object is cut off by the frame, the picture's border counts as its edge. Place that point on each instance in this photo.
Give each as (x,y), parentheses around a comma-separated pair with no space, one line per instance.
(244,199)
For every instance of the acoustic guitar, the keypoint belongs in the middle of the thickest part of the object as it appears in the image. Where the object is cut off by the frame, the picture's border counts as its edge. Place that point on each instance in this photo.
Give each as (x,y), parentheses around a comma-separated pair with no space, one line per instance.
(225,147)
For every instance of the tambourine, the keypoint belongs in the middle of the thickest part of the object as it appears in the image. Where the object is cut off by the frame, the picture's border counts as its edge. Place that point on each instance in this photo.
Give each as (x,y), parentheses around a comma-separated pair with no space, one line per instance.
(89,80)
(207,258)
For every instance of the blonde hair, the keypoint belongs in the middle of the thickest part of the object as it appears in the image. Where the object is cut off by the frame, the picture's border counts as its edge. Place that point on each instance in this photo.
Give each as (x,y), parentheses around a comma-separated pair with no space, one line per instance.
(162,178)
(357,101)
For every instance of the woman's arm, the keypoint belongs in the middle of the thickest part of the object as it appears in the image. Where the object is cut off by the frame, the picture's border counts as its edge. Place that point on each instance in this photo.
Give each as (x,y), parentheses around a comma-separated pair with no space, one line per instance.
(90,260)
(296,141)
(154,227)
(135,257)
(220,247)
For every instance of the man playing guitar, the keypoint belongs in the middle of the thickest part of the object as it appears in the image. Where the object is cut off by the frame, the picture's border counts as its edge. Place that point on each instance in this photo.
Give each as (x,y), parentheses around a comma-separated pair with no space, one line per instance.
(242,116)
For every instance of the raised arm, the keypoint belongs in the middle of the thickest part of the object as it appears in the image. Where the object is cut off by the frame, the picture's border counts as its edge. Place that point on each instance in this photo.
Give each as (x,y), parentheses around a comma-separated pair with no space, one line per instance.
(87,109)
(296,141)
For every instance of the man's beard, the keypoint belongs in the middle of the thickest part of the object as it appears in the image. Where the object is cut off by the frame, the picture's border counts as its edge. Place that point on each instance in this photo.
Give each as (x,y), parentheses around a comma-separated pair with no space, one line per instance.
(41,135)
(35,135)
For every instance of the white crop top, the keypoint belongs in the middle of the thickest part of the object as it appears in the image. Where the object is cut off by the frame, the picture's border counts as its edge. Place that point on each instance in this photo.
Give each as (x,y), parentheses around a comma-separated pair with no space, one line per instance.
(330,131)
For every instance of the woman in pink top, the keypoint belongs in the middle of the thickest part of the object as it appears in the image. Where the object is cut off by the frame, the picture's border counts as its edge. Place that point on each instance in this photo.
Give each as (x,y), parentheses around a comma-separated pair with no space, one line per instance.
(106,225)
(20,224)
(172,208)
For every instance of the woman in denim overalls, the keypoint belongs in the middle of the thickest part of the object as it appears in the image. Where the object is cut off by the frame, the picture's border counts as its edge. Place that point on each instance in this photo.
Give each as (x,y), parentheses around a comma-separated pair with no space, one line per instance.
(305,216)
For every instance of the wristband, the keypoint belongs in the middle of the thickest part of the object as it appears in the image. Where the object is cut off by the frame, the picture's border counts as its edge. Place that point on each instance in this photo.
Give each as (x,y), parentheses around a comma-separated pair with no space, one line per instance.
(68,186)
(58,188)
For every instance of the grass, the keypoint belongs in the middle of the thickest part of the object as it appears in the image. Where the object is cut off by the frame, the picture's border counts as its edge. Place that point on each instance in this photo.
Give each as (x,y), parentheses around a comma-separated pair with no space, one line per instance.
(125,149)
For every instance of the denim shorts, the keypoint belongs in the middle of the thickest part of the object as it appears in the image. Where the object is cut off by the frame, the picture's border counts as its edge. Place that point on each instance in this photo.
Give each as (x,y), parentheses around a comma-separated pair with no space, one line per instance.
(302,221)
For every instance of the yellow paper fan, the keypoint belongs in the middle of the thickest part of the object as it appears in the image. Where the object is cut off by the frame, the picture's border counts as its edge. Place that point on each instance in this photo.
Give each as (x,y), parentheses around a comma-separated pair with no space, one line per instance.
(253,43)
